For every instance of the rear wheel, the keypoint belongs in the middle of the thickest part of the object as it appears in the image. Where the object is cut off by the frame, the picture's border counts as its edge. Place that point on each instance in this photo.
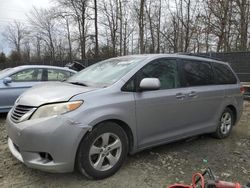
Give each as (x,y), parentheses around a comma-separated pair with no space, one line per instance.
(225,124)
(102,152)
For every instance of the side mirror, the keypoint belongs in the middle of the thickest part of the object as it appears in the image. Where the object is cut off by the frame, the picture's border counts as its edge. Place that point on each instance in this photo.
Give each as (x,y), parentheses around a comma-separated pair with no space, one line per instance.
(150,84)
(7,80)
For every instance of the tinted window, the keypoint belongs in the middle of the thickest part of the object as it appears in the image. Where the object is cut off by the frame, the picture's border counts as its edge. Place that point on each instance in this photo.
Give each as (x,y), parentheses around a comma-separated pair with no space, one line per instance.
(130,85)
(196,73)
(223,74)
(27,75)
(57,75)
(163,69)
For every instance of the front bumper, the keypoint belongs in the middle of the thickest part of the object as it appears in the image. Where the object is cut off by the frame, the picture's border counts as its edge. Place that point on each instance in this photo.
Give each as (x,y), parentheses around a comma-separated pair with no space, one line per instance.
(57,136)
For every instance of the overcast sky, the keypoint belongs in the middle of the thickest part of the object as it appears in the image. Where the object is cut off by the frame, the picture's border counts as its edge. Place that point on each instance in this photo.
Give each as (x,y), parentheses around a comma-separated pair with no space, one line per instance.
(11,10)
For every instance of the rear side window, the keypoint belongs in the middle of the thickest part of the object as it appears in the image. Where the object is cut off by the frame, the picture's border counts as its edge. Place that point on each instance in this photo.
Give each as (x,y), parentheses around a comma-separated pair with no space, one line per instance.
(223,74)
(196,73)
(57,75)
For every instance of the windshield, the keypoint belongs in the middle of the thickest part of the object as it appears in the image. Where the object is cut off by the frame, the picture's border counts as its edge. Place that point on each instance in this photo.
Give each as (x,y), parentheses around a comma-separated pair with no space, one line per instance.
(105,73)
(4,70)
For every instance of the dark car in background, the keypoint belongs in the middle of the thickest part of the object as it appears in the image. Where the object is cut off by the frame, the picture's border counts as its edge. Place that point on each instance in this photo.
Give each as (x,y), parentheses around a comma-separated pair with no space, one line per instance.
(14,81)
(75,66)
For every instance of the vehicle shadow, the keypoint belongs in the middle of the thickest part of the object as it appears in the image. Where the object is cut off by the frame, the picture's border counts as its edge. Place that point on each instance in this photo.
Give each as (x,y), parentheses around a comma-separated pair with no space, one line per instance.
(3,115)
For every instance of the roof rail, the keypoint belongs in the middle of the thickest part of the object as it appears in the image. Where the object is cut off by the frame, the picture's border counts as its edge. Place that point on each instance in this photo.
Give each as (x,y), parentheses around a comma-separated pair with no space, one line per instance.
(199,55)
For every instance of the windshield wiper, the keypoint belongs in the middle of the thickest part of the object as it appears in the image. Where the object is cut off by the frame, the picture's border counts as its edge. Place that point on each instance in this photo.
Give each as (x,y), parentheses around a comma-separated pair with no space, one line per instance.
(79,83)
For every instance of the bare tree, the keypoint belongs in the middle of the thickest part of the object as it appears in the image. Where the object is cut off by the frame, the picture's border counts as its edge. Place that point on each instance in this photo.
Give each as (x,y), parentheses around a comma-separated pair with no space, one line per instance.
(96,29)
(37,40)
(107,28)
(15,34)
(26,50)
(69,38)
(127,24)
(221,21)
(242,7)
(159,26)
(150,17)
(111,11)
(141,25)
(80,10)
(43,22)
(66,17)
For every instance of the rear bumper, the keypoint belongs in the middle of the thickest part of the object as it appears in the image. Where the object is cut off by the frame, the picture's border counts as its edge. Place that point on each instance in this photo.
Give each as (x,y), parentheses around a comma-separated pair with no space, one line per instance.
(57,136)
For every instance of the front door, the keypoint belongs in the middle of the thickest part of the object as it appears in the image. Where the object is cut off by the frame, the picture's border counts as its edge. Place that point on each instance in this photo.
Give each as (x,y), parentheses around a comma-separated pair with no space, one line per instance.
(161,114)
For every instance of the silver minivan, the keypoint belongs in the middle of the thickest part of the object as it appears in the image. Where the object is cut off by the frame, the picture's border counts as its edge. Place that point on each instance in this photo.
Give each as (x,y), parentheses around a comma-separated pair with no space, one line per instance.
(122,105)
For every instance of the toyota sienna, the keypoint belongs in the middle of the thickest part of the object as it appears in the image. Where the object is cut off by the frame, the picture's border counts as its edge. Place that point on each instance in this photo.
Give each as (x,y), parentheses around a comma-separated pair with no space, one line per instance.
(122,105)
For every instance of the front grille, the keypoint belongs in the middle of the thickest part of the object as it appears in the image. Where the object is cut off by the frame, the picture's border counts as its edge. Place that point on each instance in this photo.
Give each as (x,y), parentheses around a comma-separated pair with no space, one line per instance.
(20,111)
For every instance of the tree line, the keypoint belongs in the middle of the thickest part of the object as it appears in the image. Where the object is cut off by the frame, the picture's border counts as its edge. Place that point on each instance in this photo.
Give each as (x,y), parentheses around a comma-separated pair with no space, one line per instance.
(84,29)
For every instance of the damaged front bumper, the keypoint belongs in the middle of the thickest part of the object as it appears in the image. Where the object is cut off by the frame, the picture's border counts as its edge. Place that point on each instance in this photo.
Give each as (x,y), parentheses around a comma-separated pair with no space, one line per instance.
(48,144)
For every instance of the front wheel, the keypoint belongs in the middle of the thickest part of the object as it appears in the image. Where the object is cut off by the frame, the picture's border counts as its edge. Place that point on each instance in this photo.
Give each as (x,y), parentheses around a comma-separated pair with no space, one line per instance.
(225,124)
(102,152)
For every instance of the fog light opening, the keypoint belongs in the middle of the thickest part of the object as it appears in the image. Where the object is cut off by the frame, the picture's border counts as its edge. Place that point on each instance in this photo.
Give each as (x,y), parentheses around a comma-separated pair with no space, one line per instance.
(46,156)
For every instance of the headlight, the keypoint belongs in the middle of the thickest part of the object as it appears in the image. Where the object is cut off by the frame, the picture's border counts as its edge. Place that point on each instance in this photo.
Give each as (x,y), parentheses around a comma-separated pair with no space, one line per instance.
(55,109)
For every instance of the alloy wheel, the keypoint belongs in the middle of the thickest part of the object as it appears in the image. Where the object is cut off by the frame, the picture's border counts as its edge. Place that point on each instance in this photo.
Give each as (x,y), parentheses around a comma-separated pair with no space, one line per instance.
(105,151)
(226,123)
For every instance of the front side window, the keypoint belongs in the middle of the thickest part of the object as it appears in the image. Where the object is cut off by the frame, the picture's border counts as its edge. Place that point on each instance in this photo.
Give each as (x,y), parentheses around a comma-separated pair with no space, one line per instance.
(196,73)
(28,75)
(223,74)
(163,69)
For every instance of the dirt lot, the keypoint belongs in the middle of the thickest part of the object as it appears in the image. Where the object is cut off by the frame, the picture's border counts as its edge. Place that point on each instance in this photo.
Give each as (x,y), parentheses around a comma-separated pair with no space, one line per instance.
(158,167)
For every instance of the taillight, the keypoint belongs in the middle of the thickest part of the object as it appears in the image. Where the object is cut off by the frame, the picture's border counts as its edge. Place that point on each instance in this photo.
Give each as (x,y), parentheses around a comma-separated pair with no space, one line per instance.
(242,90)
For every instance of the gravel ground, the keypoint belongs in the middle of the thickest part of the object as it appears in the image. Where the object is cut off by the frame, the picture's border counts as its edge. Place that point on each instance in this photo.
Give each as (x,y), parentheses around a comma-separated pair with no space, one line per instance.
(158,167)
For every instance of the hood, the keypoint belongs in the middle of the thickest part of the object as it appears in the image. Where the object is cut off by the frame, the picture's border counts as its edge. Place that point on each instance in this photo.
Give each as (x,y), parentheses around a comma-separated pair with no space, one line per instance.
(50,93)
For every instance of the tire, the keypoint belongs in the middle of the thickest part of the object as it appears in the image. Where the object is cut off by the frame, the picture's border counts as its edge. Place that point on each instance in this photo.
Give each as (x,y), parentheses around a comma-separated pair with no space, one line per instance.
(225,124)
(102,152)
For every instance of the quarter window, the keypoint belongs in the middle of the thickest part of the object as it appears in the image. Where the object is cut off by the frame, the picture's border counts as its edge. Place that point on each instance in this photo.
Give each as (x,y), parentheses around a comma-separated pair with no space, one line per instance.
(196,73)
(224,74)
(28,75)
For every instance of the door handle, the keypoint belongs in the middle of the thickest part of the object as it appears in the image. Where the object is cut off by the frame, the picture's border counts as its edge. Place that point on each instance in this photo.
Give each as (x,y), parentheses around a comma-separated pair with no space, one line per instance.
(180,96)
(192,94)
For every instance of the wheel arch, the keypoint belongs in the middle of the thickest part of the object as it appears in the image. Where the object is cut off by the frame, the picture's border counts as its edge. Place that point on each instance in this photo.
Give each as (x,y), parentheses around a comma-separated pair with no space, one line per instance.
(121,124)
(126,129)
(233,109)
